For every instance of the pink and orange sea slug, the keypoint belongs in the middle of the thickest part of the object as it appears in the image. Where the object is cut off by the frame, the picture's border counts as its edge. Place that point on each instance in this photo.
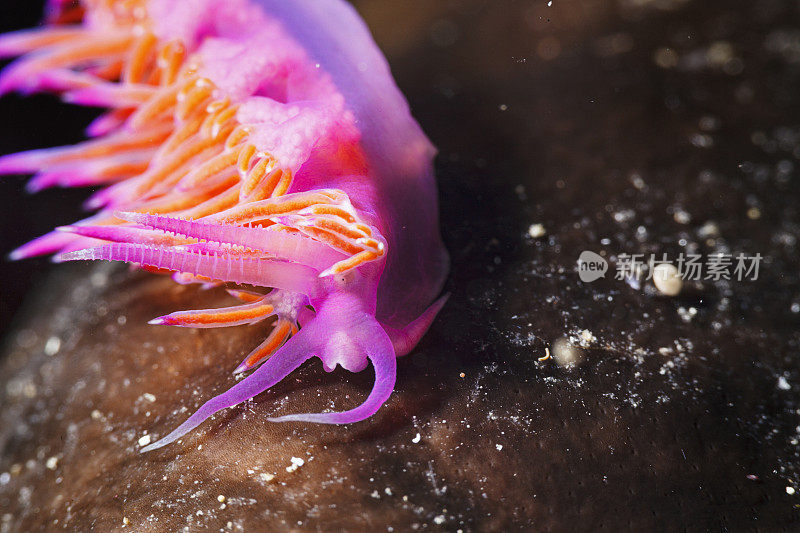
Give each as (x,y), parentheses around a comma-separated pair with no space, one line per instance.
(259,142)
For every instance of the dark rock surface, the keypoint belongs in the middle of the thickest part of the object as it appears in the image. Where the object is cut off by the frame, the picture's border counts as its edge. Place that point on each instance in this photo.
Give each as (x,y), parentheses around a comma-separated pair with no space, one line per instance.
(632,126)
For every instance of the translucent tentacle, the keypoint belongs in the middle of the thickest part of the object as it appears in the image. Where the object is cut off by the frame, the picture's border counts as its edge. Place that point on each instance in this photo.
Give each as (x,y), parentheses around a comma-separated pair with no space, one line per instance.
(228,267)
(54,241)
(288,358)
(124,234)
(382,355)
(289,246)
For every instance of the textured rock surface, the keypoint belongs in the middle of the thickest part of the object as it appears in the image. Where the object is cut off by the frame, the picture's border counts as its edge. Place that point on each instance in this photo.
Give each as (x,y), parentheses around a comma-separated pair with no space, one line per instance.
(620,127)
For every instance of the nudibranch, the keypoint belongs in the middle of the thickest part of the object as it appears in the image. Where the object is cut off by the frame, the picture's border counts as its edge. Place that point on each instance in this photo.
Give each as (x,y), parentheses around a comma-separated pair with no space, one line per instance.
(255,142)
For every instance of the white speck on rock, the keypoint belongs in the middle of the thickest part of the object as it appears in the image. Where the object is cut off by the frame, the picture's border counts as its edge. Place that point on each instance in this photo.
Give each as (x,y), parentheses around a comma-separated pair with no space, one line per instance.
(536,231)
(499,447)
(144,440)
(416,439)
(783,384)
(587,337)
(52,346)
(297,462)
(667,279)
(566,354)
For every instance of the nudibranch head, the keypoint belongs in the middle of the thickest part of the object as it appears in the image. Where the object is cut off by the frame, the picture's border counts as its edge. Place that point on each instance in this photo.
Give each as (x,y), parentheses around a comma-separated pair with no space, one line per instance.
(257,142)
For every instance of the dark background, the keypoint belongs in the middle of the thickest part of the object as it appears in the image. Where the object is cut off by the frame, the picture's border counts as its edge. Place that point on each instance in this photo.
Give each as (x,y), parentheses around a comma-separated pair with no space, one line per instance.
(39,121)
(626,126)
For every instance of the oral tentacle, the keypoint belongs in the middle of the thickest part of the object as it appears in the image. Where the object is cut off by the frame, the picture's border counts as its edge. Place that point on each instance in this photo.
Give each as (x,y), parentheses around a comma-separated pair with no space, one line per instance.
(288,358)
(384,361)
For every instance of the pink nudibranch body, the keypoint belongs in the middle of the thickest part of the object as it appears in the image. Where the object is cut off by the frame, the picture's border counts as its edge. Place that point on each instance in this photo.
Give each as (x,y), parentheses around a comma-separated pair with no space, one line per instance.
(259,142)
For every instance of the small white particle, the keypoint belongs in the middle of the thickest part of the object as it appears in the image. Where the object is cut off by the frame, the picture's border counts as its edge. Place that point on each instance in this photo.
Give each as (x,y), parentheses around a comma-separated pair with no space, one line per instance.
(682,217)
(439,519)
(221,498)
(144,440)
(52,463)
(125,521)
(783,384)
(587,337)
(536,231)
(375,495)
(789,490)
(416,439)
(98,279)
(388,491)
(266,477)
(297,462)
(149,397)
(498,446)
(52,346)
(667,279)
